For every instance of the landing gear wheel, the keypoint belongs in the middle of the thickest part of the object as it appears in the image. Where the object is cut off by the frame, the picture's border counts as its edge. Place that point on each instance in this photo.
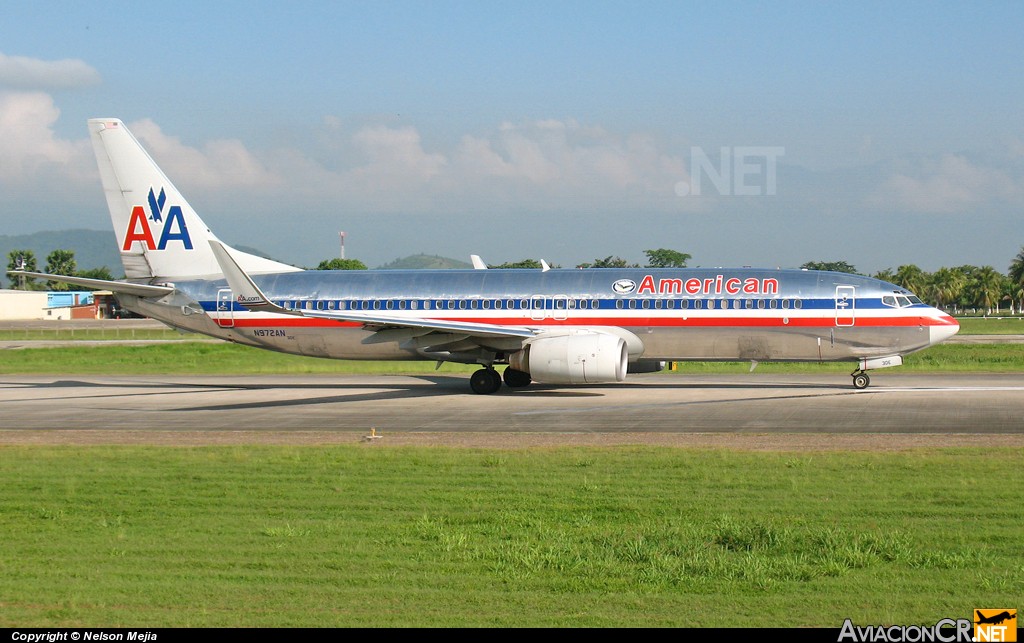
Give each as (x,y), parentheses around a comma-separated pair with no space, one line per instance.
(485,381)
(861,380)
(516,379)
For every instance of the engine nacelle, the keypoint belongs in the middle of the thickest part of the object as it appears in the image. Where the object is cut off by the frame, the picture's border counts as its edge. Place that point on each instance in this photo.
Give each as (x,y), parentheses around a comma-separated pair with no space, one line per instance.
(573,358)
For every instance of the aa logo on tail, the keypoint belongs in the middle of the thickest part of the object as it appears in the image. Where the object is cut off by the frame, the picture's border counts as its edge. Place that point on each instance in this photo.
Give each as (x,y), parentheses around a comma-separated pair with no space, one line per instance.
(172,226)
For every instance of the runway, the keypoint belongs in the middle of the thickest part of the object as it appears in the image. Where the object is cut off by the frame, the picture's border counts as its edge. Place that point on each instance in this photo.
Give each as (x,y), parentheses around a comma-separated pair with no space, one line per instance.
(347,408)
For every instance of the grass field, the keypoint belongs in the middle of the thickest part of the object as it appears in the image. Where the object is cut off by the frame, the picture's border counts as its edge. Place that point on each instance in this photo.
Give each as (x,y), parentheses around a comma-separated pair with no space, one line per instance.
(631,536)
(203,358)
(368,536)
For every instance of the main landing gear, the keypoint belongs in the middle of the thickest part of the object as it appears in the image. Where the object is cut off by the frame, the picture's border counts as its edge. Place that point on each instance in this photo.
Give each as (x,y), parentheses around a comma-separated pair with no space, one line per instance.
(487,380)
(860,379)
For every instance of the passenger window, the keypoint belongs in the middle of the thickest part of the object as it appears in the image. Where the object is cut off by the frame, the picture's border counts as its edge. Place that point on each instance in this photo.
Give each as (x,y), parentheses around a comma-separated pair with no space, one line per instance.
(462,304)
(646,303)
(401,304)
(785,303)
(748,303)
(774,303)
(376,304)
(798,303)
(760,303)
(474,304)
(618,304)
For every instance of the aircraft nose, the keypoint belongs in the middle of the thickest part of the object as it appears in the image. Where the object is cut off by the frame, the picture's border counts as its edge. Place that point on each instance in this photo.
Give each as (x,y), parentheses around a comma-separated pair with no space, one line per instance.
(943,330)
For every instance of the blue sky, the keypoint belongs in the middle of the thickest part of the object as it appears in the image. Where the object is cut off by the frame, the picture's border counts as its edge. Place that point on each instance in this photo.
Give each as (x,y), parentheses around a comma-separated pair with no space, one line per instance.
(892,131)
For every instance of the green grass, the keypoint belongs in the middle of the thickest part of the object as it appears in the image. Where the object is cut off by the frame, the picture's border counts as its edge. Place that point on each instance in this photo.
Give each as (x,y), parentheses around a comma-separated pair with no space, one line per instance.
(103,332)
(201,358)
(355,536)
(991,325)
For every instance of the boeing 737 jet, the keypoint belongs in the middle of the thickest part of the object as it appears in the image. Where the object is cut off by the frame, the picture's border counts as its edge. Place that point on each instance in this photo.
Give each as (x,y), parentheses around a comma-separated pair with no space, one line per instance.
(554,326)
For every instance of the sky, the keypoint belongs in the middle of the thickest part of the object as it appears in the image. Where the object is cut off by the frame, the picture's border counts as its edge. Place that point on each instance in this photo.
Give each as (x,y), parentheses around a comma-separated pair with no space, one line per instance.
(744,134)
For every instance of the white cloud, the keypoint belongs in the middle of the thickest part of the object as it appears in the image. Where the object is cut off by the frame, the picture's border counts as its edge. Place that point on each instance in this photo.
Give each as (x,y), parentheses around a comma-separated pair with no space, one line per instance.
(30,149)
(32,73)
(396,159)
(947,186)
(219,164)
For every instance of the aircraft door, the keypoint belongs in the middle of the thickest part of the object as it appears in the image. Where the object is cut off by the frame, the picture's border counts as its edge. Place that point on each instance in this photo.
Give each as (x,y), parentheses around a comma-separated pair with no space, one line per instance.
(846,305)
(537,307)
(225,313)
(556,307)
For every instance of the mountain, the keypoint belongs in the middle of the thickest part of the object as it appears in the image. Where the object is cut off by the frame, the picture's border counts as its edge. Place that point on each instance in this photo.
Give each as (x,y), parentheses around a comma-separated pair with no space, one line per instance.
(419,262)
(92,248)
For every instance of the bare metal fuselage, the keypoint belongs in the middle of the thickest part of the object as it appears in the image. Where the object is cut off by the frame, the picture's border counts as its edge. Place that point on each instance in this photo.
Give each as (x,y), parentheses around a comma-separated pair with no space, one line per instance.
(677,314)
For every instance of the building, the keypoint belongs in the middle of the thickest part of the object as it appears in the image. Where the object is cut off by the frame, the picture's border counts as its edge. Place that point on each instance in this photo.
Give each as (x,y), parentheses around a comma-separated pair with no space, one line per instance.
(53,305)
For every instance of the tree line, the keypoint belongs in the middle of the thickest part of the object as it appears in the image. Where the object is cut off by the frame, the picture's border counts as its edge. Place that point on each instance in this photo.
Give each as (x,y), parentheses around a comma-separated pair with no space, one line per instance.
(960,289)
(58,262)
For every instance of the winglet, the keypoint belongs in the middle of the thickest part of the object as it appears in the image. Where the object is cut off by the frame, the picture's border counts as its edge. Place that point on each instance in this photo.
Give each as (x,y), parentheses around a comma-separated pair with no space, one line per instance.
(478,263)
(247,293)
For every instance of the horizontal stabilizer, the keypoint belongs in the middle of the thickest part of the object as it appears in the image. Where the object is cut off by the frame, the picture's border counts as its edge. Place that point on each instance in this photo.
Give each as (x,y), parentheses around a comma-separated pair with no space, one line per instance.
(141,290)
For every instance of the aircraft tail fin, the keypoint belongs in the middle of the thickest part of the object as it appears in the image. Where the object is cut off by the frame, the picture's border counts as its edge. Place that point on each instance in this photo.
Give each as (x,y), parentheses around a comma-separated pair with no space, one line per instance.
(158,232)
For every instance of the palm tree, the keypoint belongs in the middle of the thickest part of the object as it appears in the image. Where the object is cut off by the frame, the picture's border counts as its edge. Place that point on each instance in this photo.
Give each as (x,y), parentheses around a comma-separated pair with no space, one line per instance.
(989,287)
(60,262)
(886,275)
(945,285)
(1017,280)
(22,260)
(911,277)
(1017,268)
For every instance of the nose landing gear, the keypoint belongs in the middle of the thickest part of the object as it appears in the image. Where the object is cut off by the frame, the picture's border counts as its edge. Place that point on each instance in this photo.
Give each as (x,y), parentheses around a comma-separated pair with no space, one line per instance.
(860,379)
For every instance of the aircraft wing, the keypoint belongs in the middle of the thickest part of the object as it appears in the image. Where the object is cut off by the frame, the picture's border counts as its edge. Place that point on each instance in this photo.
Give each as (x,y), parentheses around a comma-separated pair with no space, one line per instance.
(249,295)
(141,290)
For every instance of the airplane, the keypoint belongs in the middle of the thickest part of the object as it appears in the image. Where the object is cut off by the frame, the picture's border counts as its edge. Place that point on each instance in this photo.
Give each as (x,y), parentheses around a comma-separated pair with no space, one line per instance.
(552,326)
(995,619)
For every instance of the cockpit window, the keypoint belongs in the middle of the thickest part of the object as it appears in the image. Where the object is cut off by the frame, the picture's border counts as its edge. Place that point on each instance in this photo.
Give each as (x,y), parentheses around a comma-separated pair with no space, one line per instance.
(899,300)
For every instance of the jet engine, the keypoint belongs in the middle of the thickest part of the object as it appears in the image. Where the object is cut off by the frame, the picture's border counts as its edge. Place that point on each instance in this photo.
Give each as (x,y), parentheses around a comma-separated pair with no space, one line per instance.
(579,357)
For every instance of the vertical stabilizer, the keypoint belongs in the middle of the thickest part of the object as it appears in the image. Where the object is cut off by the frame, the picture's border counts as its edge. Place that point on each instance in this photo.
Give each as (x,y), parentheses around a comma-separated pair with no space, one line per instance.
(158,233)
